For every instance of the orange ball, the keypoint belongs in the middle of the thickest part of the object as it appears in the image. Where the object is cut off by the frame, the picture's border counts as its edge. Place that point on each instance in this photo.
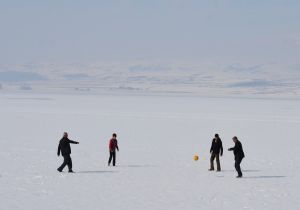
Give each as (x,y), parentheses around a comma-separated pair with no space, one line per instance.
(196,157)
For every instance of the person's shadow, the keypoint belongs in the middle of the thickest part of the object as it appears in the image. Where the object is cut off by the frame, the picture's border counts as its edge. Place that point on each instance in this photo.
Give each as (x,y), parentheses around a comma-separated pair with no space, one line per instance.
(257,176)
(249,170)
(263,177)
(95,172)
(137,166)
(121,166)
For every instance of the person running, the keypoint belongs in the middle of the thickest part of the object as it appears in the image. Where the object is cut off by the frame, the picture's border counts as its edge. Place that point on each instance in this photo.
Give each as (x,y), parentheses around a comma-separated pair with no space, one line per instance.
(65,150)
(216,150)
(238,155)
(113,146)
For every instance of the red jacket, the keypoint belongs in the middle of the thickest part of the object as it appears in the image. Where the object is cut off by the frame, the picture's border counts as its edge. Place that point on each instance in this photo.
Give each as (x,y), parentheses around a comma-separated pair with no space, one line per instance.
(113,145)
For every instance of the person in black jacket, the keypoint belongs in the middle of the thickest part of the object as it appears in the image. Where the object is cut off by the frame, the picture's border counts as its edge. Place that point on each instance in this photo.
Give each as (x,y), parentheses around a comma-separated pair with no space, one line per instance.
(238,155)
(216,150)
(65,150)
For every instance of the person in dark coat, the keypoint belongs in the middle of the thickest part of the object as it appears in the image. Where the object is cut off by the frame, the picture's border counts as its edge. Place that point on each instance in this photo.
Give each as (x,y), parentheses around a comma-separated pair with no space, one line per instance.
(238,155)
(216,150)
(113,146)
(65,150)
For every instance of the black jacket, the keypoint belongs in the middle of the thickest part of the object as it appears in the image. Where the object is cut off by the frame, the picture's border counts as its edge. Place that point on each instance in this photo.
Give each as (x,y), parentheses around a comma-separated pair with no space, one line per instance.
(64,146)
(216,146)
(238,151)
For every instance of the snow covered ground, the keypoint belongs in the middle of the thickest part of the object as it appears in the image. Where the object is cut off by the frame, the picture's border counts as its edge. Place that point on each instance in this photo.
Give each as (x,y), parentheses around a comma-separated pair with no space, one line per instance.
(158,137)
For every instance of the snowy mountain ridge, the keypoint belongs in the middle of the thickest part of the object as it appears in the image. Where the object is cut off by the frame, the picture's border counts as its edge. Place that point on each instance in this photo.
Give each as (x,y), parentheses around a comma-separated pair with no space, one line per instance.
(205,79)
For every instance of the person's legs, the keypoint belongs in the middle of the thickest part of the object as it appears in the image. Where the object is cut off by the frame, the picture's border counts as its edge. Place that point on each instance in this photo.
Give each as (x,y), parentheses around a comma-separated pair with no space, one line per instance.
(114,158)
(63,164)
(69,163)
(218,162)
(238,167)
(212,157)
(110,158)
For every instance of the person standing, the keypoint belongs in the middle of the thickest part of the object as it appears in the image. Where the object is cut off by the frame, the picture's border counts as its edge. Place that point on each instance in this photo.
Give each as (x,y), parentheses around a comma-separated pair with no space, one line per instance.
(65,149)
(113,146)
(238,155)
(216,150)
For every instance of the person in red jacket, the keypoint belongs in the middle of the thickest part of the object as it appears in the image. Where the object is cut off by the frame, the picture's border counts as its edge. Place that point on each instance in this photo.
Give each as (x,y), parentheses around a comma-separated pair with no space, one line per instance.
(113,146)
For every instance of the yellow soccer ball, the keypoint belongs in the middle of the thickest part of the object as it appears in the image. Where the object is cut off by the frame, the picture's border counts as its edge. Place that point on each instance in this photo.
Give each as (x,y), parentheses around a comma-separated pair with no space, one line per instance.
(196,157)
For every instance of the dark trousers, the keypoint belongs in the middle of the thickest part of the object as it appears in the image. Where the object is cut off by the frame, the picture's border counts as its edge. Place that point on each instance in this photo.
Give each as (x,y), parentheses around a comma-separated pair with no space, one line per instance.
(237,166)
(112,156)
(212,158)
(67,161)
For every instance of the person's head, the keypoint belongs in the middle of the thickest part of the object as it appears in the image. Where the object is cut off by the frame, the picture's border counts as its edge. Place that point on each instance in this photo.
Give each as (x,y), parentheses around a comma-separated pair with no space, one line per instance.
(234,139)
(65,135)
(114,135)
(216,135)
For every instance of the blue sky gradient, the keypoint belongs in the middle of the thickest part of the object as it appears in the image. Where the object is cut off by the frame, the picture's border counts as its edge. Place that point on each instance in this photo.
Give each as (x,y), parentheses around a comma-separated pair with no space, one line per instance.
(256,31)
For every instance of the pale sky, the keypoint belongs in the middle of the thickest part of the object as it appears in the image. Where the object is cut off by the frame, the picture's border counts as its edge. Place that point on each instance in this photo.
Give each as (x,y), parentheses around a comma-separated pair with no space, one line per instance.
(90,30)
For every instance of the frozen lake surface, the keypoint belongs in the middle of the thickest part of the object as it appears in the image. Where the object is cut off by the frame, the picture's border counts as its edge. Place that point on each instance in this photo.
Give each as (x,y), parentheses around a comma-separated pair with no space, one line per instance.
(158,137)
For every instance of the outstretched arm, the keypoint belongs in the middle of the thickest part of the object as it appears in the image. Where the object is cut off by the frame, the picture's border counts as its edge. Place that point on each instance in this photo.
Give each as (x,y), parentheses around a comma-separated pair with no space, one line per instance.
(73,142)
(231,149)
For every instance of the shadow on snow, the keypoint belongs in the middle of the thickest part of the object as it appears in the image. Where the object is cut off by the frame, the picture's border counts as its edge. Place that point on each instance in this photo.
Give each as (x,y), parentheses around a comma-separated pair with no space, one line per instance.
(242,170)
(263,177)
(136,166)
(94,172)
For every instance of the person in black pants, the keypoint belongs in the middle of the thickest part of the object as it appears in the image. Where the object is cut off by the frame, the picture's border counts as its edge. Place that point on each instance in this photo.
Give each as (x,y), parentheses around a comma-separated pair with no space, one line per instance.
(65,150)
(216,150)
(238,155)
(113,146)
